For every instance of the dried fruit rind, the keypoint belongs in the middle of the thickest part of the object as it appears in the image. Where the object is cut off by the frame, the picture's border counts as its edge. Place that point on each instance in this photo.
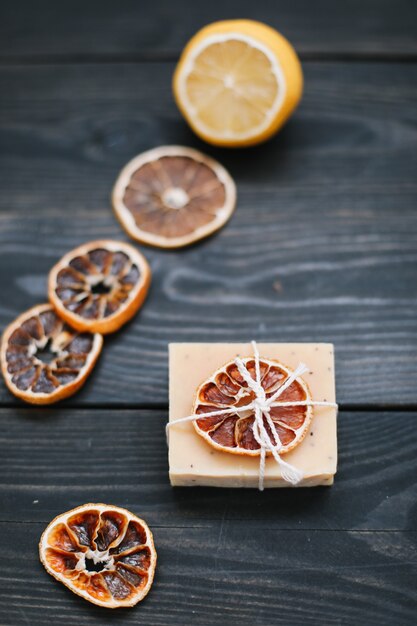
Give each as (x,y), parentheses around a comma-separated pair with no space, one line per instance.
(43,360)
(233,433)
(101,552)
(172,196)
(100,285)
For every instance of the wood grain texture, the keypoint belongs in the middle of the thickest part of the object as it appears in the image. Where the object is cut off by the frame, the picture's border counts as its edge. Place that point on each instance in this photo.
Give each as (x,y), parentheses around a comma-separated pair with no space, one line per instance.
(79,29)
(225,572)
(54,460)
(322,247)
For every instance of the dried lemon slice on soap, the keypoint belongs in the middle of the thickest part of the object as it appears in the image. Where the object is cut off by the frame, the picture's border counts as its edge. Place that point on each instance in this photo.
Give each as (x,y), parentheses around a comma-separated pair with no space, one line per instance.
(173,196)
(100,285)
(103,553)
(43,360)
(237,82)
(234,432)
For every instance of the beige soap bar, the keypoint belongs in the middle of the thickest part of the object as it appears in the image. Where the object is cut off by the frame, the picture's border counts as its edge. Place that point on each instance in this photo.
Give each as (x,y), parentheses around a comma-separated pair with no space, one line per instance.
(192,461)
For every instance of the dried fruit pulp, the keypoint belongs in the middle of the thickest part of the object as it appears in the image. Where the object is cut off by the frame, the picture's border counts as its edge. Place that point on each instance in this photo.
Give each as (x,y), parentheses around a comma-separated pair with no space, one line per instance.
(101,552)
(100,285)
(234,432)
(44,360)
(172,196)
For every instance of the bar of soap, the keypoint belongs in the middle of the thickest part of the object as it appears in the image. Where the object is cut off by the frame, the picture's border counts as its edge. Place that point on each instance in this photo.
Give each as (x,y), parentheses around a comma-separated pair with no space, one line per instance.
(192,461)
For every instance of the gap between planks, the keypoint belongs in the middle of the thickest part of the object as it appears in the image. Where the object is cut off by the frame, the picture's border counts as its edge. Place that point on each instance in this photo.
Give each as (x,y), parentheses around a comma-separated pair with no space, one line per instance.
(148,406)
(249,522)
(172,57)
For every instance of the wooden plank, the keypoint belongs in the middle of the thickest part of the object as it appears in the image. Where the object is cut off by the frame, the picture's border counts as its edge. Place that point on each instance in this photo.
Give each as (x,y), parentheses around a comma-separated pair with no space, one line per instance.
(54,460)
(322,246)
(78,29)
(228,572)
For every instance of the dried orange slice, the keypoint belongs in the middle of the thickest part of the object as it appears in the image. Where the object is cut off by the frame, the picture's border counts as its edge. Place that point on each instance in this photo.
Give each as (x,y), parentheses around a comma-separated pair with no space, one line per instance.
(100,285)
(43,360)
(103,553)
(172,196)
(233,433)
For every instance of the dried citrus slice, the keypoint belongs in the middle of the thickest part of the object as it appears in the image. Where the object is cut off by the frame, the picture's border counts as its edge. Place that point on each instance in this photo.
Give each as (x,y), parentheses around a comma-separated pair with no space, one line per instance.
(100,285)
(173,196)
(237,82)
(43,360)
(103,553)
(233,433)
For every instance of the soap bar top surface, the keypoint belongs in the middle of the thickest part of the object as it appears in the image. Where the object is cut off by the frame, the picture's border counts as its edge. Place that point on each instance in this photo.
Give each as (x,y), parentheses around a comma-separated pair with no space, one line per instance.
(193,461)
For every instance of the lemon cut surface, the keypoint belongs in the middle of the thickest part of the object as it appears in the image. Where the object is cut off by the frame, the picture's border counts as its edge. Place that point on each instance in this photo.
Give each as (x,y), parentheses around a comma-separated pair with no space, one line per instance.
(237,82)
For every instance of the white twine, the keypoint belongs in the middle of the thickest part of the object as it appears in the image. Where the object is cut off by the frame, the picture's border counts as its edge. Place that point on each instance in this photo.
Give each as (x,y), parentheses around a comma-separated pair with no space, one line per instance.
(261,407)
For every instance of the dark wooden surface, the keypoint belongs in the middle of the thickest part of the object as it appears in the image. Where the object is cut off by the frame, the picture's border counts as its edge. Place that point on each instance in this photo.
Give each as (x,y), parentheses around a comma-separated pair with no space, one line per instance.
(322,247)
(81,455)
(39,31)
(345,555)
